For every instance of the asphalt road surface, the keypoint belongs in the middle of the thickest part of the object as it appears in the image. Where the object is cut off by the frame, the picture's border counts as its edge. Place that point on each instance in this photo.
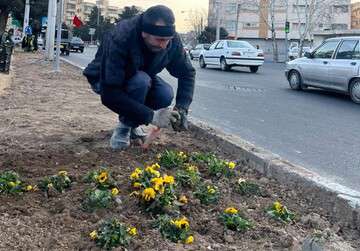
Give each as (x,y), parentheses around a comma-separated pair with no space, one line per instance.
(316,129)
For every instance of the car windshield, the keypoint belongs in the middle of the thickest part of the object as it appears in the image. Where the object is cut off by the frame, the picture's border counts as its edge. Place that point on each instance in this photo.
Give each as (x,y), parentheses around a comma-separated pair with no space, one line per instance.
(239,44)
(77,40)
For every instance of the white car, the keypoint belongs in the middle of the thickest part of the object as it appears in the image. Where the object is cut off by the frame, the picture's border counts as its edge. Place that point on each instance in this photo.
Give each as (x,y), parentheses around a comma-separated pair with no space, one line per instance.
(229,53)
(294,52)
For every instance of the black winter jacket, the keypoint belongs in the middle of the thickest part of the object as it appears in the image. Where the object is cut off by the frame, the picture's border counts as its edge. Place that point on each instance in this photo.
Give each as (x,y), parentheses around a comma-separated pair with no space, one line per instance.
(119,58)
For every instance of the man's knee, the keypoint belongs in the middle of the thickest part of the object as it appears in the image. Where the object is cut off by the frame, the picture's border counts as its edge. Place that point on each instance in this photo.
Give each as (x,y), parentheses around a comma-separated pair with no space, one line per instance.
(162,98)
(141,80)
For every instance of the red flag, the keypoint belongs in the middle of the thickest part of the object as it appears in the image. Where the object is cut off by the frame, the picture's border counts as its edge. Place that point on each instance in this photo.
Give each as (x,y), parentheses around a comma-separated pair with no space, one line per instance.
(77,22)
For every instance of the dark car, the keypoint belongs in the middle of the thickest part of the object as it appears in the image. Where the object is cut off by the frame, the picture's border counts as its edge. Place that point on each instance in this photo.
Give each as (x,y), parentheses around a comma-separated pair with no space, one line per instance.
(77,44)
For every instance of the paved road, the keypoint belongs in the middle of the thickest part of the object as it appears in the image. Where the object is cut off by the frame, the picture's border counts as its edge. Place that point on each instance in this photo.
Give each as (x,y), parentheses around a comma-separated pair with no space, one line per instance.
(316,129)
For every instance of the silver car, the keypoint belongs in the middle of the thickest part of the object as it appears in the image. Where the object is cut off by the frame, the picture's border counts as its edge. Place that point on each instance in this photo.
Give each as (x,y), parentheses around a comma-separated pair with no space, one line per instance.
(334,65)
(195,53)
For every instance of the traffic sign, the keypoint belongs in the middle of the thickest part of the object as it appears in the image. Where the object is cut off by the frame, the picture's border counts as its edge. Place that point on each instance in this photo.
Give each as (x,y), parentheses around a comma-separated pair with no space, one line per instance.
(92,31)
(28,30)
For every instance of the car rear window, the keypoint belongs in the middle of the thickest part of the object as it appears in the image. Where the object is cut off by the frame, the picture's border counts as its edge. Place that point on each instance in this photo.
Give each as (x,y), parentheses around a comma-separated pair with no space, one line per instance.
(239,44)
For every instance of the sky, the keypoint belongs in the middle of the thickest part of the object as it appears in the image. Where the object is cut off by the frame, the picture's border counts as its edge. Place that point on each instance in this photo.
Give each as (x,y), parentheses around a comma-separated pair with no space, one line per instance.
(180,8)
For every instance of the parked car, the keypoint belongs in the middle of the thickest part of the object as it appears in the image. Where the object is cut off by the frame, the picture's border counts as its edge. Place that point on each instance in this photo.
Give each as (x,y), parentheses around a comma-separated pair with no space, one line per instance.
(40,41)
(334,65)
(16,39)
(294,52)
(195,53)
(229,53)
(77,44)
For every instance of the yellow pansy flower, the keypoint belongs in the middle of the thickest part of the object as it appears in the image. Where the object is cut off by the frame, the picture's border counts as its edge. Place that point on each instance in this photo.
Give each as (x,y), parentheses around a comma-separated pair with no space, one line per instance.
(29,187)
(183,223)
(183,199)
(155,166)
(189,239)
(151,170)
(169,179)
(158,183)
(231,210)
(103,176)
(12,184)
(93,235)
(137,184)
(211,190)
(149,194)
(114,191)
(231,165)
(62,173)
(132,231)
(278,207)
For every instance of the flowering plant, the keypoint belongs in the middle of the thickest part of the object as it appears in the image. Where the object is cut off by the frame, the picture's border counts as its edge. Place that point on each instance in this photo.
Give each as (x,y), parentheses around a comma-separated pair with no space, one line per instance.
(172,159)
(175,229)
(96,198)
(247,188)
(10,183)
(189,176)
(112,233)
(60,182)
(154,190)
(101,178)
(216,167)
(280,212)
(207,194)
(233,221)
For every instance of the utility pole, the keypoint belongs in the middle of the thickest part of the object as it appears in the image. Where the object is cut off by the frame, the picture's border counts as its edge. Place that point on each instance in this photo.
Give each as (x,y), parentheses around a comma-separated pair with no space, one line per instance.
(98,19)
(218,20)
(58,35)
(50,30)
(286,32)
(26,16)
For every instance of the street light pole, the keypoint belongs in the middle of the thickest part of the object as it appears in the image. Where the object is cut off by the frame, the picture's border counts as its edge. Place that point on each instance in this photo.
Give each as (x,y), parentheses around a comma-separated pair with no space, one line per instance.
(237,21)
(218,20)
(58,35)
(26,16)
(286,33)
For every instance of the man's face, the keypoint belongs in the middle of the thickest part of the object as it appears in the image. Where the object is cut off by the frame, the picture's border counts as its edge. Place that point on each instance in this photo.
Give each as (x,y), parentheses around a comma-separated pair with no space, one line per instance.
(156,43)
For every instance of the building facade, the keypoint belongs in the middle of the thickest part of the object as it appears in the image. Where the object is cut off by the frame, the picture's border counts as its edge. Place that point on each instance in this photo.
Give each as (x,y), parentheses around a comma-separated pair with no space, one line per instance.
(82,9)
(355,16)
(254,19)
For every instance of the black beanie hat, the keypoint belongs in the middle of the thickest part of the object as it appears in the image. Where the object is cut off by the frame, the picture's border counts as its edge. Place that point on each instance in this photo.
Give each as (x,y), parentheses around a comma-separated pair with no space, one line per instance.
(154,14)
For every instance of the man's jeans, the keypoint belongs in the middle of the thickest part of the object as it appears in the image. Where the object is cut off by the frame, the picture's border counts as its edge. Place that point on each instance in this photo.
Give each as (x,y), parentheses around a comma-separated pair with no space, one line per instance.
(153,92)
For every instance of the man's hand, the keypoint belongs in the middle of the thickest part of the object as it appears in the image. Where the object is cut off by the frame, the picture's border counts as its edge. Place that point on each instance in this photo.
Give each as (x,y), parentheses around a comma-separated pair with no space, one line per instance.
(182,123)
(165,117)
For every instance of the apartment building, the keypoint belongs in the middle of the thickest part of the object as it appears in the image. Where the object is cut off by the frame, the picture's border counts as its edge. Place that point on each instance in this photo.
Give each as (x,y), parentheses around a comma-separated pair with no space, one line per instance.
(355,15)
(83,9)
(253,19)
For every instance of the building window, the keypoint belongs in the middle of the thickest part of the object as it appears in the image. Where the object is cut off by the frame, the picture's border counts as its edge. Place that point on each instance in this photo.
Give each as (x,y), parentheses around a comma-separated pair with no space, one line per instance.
(339,26)
(339,9)
(230,9)
(230,26)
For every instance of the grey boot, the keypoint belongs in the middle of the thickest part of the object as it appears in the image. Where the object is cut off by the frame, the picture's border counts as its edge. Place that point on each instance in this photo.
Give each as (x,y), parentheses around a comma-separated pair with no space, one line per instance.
(120,138)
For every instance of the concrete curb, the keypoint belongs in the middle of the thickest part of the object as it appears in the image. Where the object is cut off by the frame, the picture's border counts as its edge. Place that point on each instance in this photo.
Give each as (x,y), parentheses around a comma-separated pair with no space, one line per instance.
(341,204)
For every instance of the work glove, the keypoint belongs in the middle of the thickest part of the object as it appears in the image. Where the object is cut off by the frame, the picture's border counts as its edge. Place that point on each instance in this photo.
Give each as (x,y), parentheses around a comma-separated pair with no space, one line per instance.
(165,117)
(181,124)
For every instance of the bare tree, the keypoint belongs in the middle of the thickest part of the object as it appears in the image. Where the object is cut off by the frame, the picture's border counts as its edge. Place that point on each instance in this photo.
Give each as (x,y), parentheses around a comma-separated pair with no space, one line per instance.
(310,13)
(197,19)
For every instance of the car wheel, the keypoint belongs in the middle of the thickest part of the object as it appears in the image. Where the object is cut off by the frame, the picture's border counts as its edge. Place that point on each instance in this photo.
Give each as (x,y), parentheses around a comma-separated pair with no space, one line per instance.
(292,58)
(224,66)
(295,80)
(67,53)
(191,57)
(202,62)
(254,69)
(82,50)
(354,90)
